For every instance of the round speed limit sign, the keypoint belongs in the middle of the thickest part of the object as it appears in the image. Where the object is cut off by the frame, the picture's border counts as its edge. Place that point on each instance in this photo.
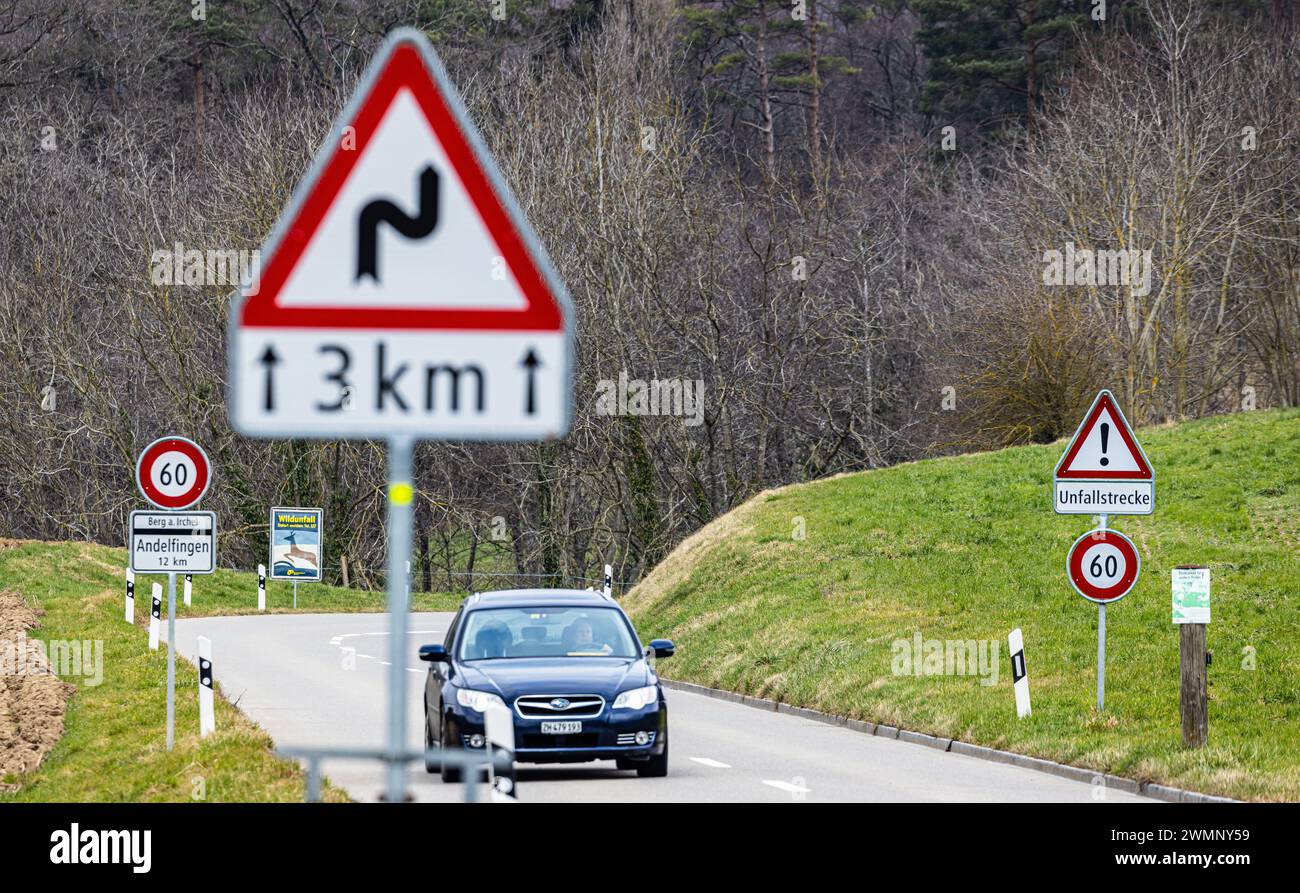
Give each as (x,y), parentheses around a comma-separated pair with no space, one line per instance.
(173,472)
(1103,565)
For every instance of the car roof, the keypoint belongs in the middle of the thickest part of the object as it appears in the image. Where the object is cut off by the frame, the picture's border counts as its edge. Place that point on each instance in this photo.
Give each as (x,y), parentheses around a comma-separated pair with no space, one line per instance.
(513,598)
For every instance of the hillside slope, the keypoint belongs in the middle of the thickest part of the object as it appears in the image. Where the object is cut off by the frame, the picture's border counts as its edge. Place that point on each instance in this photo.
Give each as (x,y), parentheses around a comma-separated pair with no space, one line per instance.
(967,548)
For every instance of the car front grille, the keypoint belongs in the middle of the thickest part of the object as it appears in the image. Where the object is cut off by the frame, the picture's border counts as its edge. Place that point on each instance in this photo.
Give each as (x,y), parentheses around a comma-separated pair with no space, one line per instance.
(559,706)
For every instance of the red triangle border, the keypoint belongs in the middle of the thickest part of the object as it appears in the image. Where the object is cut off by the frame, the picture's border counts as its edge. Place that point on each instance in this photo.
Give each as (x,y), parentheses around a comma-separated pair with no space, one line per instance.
(404,68)
(1105,401)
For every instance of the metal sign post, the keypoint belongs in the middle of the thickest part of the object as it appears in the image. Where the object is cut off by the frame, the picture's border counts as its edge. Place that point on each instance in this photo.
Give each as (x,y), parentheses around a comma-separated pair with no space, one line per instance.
(171,660)
(1101,645)
(1101,658)
(400,495)
(1103,566)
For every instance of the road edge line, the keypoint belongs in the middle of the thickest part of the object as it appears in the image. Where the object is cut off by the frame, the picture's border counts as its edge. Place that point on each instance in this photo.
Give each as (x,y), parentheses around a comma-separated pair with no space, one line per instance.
(952,745)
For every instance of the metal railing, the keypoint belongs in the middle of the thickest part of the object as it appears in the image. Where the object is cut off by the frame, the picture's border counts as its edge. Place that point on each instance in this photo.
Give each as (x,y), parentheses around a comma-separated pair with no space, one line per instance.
(468,762)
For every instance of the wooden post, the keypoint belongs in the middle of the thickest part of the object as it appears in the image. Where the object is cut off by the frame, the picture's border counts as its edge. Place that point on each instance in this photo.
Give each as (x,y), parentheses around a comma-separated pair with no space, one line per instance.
(1192,696)
(343,565)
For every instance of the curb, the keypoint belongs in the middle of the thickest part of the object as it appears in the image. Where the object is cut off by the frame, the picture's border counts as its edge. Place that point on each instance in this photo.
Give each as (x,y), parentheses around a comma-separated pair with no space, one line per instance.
(952,745)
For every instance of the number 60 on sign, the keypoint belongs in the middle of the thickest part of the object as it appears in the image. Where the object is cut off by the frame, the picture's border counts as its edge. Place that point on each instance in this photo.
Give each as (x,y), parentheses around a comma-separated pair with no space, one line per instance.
(1103,565)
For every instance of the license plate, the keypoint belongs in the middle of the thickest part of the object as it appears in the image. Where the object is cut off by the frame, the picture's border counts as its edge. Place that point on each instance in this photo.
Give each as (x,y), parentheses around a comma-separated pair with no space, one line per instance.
(561,728)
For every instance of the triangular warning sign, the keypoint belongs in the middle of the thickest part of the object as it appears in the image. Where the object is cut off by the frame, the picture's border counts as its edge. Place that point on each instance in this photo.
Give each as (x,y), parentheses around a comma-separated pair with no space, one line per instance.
(404,222)
(1104,447)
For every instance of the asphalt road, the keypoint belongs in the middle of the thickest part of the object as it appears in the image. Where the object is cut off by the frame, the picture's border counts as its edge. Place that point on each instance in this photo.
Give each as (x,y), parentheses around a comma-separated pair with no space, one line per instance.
(321,679)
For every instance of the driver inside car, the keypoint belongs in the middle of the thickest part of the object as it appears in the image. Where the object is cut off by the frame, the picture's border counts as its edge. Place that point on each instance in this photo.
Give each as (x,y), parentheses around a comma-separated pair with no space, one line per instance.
(583,638)
(493,640)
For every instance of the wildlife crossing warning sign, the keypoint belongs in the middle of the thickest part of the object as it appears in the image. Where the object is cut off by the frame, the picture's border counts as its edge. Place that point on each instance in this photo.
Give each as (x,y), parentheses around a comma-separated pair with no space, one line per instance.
(1104,470)
(296,544)
(403,292)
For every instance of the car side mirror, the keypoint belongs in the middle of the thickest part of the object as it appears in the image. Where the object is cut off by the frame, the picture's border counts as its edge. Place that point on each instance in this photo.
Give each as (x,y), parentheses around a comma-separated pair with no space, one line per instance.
(433,653)
(662,647)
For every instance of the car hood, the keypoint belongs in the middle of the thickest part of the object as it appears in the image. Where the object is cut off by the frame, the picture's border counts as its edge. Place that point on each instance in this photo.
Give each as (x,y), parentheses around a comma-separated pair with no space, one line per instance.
(512,677)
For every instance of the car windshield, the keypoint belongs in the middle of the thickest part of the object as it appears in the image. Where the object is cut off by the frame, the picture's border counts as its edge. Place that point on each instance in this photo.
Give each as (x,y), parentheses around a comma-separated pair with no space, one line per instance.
(498,633)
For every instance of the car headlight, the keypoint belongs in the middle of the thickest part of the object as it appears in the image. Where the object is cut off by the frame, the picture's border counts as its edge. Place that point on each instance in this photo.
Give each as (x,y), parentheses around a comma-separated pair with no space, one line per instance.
(636,698)
(477,700)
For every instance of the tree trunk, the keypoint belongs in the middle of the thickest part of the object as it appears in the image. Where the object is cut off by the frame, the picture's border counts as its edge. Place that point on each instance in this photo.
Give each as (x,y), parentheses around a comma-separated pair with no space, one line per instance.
(1031,66)
(765,100)
(426,568)
(473,553)
(815,99)
(196,61)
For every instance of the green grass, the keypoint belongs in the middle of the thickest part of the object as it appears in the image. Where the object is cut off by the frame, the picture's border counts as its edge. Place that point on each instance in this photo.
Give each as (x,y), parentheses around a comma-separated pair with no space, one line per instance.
(968,548)
(113,746)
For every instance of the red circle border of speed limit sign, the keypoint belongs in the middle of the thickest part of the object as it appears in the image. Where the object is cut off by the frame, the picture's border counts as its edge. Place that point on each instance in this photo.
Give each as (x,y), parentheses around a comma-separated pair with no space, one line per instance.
(1074,566)
(202,472)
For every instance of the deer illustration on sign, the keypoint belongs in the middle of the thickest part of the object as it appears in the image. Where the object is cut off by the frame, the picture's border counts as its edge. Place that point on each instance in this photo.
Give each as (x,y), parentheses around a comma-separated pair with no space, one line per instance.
(295,552)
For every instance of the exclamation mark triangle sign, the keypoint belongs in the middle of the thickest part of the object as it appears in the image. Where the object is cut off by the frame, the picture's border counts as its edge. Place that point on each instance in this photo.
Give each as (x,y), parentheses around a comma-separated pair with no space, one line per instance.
(1104,447)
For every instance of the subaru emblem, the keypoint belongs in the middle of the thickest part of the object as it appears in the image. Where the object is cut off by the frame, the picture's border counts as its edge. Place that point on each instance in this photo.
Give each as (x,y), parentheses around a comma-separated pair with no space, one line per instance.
(559,703)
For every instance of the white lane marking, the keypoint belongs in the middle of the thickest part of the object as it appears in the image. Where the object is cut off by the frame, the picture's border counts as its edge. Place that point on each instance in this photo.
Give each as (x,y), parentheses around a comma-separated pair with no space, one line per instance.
(338,640)
(787,787)
(712,764)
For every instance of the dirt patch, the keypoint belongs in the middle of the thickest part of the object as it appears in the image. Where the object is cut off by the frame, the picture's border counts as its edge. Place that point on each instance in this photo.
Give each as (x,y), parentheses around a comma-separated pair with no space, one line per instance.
(32,700)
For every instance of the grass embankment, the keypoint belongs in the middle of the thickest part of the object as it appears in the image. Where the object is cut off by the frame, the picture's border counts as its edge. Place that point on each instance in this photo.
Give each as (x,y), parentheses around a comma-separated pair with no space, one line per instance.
(968,548)
(114,742)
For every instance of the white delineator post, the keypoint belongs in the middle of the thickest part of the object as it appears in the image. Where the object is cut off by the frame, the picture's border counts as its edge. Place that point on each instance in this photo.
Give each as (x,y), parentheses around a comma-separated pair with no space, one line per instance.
(261,587)
(609,579)
(189,586)
(207,717)
(155,617)
(130,596)
(1019,673)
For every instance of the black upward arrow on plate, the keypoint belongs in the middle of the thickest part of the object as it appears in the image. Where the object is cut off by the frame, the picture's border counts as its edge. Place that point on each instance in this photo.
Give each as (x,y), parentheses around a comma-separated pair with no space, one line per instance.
(268,361)
(531,363)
